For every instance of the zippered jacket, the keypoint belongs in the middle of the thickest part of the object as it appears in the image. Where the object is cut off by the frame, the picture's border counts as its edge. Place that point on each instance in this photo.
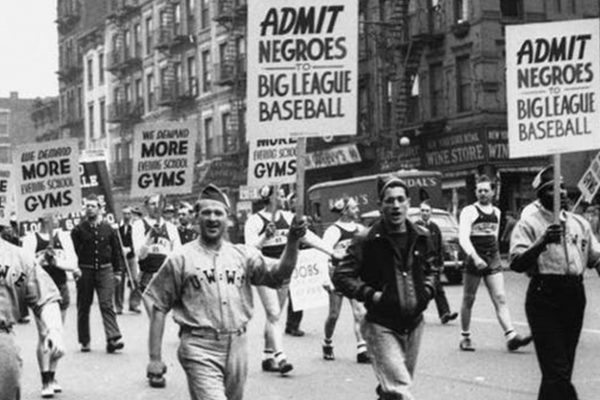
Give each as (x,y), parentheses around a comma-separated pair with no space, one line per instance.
(406,278)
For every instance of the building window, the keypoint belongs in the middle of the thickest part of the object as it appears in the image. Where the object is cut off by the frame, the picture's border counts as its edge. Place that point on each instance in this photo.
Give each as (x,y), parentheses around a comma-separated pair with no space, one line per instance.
(91,119)
(177,19)
(138,91)
(211,148)
(511,8)
(436,89)
(137,40)
(573,5)
(150,91)
(101,68)
(4,122)
(228,134)
(79,102)
(127,92)
(206,76)
(149,34)
(204,16)
(463,83)
(191,70)
(90,73)
(461,10)
(5,157)
(102,118)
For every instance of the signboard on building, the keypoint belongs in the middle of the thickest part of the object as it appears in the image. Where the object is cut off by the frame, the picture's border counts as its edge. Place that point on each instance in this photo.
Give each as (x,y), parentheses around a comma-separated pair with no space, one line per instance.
(302,68)
(589,183)
(47,178)
(339,155)
(306,286)
(553,87)
(271,162)
(226,171)
(7,193)
(163,158)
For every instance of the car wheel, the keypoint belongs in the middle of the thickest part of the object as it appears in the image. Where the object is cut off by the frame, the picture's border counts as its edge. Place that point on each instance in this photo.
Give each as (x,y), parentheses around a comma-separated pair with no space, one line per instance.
(454,276)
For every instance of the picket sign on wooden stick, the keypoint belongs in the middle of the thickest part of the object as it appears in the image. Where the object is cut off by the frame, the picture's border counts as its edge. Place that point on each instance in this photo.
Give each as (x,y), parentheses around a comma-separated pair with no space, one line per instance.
(301,168)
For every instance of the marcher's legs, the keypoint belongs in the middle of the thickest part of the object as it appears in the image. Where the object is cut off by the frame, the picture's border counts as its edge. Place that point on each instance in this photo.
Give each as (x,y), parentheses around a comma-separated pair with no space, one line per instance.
(10,367)
(555,311)
(335,306)
(105,286)
(85,296)
(270,300)
(135,297)
(394,357)
(119,295)
(470,286)
(204,361)
(358,312)
(294,318)
(236,369)
(145,278)
(495,287)
(441,302)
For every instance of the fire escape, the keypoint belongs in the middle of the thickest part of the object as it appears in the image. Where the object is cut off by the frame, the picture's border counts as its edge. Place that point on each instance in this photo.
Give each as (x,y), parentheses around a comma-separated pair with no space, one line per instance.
(172,39)
(231,70)
(124,59)
(69,15)
(411,31)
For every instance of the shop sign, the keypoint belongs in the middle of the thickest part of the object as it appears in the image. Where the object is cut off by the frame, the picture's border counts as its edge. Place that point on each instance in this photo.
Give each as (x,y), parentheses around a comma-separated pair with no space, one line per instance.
(340,155)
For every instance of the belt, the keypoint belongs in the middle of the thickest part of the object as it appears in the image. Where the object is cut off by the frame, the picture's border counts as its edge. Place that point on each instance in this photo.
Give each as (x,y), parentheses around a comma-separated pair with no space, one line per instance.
(207,332)
(101,266)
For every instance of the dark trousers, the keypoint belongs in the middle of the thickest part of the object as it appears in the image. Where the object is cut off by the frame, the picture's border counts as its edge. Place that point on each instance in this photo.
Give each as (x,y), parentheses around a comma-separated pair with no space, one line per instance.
(103,282)
(555,306)
(293,317)
(441,302)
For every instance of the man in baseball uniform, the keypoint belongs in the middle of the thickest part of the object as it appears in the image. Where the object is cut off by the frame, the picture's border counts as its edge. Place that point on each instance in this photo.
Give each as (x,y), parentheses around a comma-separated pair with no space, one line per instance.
(208,285)
(23,282)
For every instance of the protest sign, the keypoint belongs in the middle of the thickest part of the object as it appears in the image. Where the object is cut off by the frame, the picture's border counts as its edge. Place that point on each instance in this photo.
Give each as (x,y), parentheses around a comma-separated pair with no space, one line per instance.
(272,162)
(553,87)
(339,155)
(163,158)
(302,68)
(590,181)
(306,286)
(47,178)
(6,193)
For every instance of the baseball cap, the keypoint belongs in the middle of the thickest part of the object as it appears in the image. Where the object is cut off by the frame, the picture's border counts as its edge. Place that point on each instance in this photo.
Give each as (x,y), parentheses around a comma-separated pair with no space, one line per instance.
(385,181)
(211,192)
(544,178)
(169,208)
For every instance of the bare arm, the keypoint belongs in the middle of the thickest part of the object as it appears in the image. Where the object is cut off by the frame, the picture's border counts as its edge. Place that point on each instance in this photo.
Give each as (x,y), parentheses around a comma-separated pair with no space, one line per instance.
(157,330)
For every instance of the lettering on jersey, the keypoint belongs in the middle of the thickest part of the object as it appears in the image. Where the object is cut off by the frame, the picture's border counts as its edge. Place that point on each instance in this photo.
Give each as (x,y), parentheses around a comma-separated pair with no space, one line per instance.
(584,244)
(20,279)
(484,228)
(195,281)
(278,239)
(4,272)
(210,275)
(235,277)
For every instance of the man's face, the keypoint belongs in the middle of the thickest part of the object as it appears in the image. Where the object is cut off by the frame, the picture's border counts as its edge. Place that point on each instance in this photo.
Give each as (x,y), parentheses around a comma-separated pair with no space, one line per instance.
(352,210)
(168,215)
(152,206)
(394,206)
(92,208)
(127,216)
(184,217)
(425,212)
(212,218)
(484,192)
(546,197)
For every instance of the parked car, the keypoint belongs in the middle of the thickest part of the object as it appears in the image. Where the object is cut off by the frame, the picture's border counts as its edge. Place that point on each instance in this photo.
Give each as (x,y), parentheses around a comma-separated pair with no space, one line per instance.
(454,256)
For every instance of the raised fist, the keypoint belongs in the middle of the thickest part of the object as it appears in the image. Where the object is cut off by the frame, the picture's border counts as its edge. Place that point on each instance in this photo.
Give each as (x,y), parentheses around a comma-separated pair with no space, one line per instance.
(297,228)
(553,233)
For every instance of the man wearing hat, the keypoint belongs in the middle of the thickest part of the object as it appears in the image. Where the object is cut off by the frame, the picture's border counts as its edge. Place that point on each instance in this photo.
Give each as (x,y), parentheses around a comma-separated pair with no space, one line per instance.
(267,231)
(208,285)
(555,256)
(390,267)
(153,239)
(478,230)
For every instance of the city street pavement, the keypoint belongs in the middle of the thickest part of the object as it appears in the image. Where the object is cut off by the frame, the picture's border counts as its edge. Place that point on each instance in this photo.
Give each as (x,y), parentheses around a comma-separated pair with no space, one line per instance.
(443,372)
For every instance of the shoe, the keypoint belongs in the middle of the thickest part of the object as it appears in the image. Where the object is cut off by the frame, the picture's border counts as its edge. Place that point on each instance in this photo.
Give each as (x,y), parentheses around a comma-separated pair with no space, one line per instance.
(269,365)
(448,317)
(47,391)
(114,345)
(157,381)
(119,312)
(55,386)
(85,348)
(518,341)
(294,332)
(466,345)
(285,367)
(328,352)
(24,320)
(135,310)
(363,358)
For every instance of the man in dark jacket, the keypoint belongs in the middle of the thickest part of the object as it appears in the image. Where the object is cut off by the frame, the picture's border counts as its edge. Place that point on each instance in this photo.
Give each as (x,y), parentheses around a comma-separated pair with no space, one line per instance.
(390,268)
(441,302)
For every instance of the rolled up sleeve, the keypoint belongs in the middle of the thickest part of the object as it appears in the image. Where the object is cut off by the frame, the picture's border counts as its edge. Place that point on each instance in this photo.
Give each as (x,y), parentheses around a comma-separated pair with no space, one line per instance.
(165,288)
